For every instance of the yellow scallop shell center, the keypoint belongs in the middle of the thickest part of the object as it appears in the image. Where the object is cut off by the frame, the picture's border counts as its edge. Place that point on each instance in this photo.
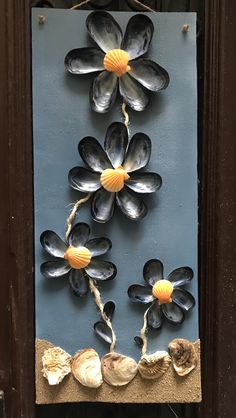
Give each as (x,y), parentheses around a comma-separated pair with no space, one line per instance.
(78,258)
(162,290)
(117,61)
(113,179)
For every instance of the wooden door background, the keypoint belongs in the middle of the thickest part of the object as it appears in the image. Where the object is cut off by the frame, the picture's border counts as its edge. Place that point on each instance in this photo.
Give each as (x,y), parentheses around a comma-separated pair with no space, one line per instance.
(217,230)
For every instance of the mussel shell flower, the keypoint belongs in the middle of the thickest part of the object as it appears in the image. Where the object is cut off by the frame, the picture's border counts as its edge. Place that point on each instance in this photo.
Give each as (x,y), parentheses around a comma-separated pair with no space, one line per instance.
(182,300)
(132,156)
(142,75)
(96,269)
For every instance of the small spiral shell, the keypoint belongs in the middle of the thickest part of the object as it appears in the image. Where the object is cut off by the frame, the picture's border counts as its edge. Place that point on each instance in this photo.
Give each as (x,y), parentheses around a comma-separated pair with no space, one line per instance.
(113,180)
(78,258)
(116,61)
(162,290)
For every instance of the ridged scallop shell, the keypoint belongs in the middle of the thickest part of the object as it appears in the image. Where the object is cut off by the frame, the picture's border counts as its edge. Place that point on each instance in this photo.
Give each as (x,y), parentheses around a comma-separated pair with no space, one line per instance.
(56,365)
(184,356)
(118,370)
(113,180)
(162,290)
(86,368)
(116,61)
(78,258)
(153,366)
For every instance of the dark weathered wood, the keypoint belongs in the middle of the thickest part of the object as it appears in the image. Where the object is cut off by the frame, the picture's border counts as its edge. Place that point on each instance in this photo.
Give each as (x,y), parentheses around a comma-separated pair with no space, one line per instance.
(16,211)
(2,405)
(174,5)
(218,215)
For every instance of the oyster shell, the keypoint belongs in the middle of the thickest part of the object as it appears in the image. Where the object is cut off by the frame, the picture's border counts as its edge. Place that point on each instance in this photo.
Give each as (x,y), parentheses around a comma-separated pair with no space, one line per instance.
(118,370)
(56,365)
(184,356)
(153,366)
(86,368)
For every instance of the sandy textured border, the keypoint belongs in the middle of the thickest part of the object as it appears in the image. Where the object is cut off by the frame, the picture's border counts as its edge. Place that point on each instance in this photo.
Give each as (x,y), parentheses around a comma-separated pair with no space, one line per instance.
(169,388)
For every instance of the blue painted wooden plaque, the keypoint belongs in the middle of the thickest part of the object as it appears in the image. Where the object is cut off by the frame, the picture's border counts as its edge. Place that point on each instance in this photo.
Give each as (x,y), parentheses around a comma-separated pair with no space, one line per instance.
(61,117)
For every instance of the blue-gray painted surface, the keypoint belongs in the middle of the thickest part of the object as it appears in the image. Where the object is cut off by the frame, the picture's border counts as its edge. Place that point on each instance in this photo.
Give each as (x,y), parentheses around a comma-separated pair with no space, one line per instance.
(62,117)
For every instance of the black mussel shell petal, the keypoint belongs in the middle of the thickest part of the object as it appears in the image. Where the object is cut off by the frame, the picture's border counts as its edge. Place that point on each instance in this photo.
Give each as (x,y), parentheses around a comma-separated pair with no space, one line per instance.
(144,182)
(173,313)
(78,282)
(180,276)
(84,180)
(104,30)
(103,92)
(138,153)
(149,74)
(102,206)
(133,93)
(109,309)
(79,235)
(138,341)
(101,270)
(99,246)
(154,316)
(93,154)
(140,294)
(132,207)
(103,330)
(183,299)
(54,269)
(53,244)
(84,60)
(138,35)
(153,271)
(116,143)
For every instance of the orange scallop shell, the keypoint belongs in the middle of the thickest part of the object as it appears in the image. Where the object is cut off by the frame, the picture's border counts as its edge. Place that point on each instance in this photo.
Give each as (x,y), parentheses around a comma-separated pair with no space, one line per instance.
(162,290)
(78,258)
(117,61)
(113,180)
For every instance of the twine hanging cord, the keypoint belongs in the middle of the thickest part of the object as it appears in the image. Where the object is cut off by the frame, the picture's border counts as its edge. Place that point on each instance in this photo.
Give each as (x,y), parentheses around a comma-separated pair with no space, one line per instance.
(139,3)
(77,6)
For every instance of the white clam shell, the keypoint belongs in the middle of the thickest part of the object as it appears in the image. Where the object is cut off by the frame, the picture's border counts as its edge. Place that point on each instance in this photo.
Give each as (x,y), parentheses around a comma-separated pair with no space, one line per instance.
(153,366)
(86,368)
(184,356)
(56,365)
(118,370)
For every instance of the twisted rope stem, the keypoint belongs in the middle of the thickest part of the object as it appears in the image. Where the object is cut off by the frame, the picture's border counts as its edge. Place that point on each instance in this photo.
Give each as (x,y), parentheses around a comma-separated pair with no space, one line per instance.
(77,6)
(98,301)
(143,333)
(125,114)
(71,217)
